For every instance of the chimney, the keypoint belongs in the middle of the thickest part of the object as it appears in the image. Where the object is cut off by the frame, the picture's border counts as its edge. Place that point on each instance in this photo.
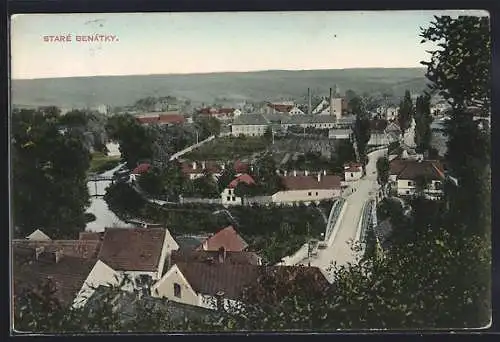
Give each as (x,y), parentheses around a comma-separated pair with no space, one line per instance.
(331,101)
(324,172)
(222,255)
(295,173)
(319,177)
(203,165)
(306,173)
(194,165)
(285,172)
(309,103)
(223,166)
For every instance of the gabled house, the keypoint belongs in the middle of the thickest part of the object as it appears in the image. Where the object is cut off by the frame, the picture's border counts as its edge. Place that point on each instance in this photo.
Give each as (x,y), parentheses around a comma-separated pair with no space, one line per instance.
(308,188)
(137,251)
(353,171)
(218,285)
(226,238)
(138,171)
(382,133)
(406,176)
(228,196)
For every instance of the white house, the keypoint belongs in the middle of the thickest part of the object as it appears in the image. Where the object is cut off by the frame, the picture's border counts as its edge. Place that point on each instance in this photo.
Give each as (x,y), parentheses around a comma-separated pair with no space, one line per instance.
(249,124)
(295,111)
(353,172)
(307,188)
(228,196)
(340,133)
(405,174)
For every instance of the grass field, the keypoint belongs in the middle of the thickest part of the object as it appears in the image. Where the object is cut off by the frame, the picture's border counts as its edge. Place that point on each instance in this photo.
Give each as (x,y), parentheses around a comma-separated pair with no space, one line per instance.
(101,162)
(228,148)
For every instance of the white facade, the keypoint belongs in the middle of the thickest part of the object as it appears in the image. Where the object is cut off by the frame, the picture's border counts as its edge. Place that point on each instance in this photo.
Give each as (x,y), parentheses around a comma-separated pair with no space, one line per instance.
(250,130)
(306,196)
(295,111)
(229,198)
(340,134)
(237,112)
(406,187)
(337,108)
(353,175)
(113,149)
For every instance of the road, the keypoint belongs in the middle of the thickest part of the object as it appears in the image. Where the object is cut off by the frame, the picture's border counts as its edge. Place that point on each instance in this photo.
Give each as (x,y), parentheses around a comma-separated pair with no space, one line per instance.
(339,249)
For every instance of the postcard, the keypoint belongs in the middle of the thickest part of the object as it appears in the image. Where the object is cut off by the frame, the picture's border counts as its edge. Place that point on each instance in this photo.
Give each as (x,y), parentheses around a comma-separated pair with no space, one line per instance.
(250,171)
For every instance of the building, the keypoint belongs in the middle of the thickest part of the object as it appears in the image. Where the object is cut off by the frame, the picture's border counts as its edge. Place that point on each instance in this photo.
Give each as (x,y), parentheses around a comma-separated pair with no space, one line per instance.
(340,133)
(382,133)
(353,172)
(38,235)
(113,149)
(220,256)
(228,196)
(139,170)
(197,169)
(308,188)
(168,118)
(226,238)
(249,125)
(217,285)
(407,175)
(222,114)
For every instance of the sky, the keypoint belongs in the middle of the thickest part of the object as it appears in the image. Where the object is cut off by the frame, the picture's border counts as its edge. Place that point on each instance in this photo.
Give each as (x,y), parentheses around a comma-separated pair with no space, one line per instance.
(184,43)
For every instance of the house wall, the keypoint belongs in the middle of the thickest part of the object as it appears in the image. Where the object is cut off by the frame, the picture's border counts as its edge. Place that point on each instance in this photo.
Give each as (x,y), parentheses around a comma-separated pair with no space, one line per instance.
(169,245)
(250,130)
(229,198)
(164,288)
(352,176)
(406,187)
(291,196)
(101,274)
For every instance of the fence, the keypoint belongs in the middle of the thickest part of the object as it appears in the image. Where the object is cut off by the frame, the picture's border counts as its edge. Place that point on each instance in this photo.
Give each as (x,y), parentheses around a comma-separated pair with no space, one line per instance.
(261,200)
(333,217)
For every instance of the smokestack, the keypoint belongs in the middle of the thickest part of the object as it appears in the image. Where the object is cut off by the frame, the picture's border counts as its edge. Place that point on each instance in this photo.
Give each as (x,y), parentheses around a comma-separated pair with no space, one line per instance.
(306,173)
(309,104)
(331,101)
(203,165)
(194,165)
(319,177)
(295,173)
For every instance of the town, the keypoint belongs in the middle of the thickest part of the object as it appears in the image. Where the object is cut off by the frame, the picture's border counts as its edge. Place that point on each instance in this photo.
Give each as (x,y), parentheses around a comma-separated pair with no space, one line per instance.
(231,211)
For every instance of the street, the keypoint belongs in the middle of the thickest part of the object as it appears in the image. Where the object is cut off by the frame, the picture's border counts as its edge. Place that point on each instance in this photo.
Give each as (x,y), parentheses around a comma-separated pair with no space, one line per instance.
(339,250)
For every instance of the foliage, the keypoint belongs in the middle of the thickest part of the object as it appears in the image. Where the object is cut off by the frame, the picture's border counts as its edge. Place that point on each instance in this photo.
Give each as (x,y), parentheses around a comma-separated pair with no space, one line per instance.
(423,120)
(136,141)
(406,112)
(225,178)
(460,70)
(268,135)
(49,175)
(204,187)
(169,139)
(207,126)
(124,201)
(382,171)
(264,174)
(361,129)
(101,163)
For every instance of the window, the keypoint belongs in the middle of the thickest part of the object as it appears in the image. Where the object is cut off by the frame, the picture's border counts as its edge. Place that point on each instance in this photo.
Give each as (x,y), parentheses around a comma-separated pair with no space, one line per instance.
(230,192)
(177,290)
(352,174)
(228,198)
(234,198)
(437,185)
(316,194)
(410,183)
(309,194)
(407,192)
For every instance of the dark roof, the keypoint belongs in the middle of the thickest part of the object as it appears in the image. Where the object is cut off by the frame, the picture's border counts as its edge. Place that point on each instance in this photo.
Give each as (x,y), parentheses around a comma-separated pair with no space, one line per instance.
(238,258)
(250,119)
(311,182)
(188,242)
(412,169)
(68,274)
(227,238)
(128,305)
(132,249)
(84,249)
(141,168)
(232,280)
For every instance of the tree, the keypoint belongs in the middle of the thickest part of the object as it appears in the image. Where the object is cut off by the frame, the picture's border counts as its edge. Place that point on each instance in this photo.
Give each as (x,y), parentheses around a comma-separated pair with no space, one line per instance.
(225,178)
(49,176)
(268,135)
(382,171)
(136,141)
(423,120)
(406,111)
(361,129)
(460,71)
(207,126)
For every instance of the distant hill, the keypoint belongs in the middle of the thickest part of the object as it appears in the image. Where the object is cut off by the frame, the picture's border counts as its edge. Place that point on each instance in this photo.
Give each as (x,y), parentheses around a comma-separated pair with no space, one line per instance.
(234,86)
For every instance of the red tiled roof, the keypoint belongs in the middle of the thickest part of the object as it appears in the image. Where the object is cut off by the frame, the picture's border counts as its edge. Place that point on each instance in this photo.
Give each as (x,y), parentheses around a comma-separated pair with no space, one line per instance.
(233,280)
(311,182)
(412,169)
(171,119)
(245,178)
(280,107)
(132,249)
(211,166)
(148,119)
(68,274)
(238,258)
(227,238)
(141,168)
(226,110)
